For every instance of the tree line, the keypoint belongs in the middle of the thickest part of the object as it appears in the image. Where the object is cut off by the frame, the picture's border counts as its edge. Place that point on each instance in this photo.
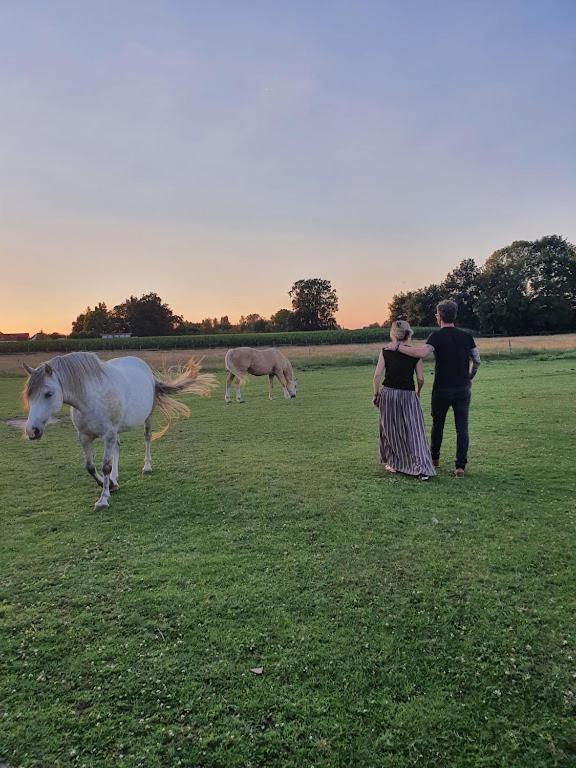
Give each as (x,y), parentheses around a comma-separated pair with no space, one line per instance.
(314,304)
(526,287)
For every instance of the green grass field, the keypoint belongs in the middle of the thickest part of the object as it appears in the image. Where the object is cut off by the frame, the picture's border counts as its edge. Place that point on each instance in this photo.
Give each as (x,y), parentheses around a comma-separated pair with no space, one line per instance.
(398,623)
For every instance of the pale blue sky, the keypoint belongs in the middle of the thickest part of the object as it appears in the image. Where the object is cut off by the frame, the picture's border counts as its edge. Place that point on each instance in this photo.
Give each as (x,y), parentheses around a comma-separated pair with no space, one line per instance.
(217,151)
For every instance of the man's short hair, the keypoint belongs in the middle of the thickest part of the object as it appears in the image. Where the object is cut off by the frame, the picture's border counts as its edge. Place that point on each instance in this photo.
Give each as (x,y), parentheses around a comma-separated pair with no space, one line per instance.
(447,310)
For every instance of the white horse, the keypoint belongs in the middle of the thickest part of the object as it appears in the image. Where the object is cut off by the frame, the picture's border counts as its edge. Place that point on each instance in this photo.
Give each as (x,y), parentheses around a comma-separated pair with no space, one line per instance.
(107,398)
(258,362)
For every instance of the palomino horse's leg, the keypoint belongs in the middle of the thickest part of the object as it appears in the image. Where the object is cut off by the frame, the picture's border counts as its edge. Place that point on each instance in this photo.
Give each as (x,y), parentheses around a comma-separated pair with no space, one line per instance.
(282,380)
(147,454)
(110,441)
(229,380)
(87,444)
(239,397)
(115,461)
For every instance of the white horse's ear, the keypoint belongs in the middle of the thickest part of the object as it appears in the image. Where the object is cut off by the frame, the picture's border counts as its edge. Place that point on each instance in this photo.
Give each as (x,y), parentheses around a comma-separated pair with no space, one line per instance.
(48,369)
(29,370)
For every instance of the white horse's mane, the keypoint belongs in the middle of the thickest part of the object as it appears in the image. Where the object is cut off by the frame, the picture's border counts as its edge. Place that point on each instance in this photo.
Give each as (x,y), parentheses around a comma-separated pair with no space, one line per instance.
(72,371)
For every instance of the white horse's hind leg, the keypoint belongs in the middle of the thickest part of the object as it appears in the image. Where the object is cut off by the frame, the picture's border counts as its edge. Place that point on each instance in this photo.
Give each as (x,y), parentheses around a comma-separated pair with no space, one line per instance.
(110,442)
(147,453)
(87,444)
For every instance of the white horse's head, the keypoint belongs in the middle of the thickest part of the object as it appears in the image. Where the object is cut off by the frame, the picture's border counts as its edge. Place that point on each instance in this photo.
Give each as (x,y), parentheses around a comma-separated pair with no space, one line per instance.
(43,396)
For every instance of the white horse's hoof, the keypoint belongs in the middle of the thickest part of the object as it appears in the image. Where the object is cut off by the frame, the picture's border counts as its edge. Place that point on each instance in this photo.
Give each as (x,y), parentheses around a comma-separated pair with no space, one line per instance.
(147,471)
(100,505)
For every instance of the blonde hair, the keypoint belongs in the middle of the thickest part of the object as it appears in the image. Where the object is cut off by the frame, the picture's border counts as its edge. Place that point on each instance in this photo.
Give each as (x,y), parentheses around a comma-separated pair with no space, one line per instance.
(400,330)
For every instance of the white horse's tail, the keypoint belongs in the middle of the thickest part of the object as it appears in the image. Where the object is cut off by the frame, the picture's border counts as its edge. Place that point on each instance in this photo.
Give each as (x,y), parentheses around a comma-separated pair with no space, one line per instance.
(188,381)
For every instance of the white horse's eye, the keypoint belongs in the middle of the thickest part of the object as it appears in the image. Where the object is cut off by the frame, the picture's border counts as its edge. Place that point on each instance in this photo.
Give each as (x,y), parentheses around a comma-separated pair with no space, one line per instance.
(48,394)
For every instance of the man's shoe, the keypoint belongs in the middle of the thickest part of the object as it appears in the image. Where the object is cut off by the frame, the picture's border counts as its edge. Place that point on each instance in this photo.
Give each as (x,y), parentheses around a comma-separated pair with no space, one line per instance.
(458,472)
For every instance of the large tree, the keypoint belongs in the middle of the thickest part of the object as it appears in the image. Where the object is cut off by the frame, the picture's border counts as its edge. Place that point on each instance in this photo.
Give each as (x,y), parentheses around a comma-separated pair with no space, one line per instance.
(314,303)
(283,320)
(253,323)
(463,286)
(421,305)
(145,316)
(398,307)
(526,287)
(92,323)
(418,307)
(529,287)
(551,284)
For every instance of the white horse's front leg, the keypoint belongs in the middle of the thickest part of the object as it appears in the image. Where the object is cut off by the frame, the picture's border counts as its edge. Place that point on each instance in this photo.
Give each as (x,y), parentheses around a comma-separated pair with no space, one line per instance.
(110,442)
(270,386)
(147,468)
(115,465)
(87,444)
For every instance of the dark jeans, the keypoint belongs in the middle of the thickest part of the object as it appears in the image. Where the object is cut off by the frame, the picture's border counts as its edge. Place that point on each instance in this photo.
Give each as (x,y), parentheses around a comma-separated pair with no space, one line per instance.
(459,400)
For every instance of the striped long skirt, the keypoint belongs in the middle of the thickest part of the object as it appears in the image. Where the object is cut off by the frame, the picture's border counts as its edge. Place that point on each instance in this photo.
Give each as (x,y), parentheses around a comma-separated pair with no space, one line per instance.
(403,444)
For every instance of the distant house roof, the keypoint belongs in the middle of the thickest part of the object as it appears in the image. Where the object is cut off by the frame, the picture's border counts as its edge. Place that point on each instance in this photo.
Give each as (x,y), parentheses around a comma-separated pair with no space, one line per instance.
(14,336)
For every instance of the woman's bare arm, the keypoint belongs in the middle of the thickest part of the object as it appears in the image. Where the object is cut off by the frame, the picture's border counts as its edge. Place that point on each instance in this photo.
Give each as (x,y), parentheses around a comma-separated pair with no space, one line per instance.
(419,377)
(378,375)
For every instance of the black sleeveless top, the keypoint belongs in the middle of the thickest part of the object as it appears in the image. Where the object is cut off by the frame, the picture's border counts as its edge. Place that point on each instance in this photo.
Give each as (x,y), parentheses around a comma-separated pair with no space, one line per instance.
(399,370)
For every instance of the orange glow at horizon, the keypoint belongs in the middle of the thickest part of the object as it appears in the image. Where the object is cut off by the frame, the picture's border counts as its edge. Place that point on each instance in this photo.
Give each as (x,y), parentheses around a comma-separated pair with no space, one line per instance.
(59,317)
(232,277)
(52,273)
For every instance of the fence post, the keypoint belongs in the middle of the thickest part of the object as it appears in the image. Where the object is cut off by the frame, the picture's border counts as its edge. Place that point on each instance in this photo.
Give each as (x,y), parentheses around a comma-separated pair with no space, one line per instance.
(509,345)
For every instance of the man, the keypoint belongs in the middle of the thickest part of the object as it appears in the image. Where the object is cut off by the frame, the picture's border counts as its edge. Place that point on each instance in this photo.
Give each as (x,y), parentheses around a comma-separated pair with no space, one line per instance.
(457,361)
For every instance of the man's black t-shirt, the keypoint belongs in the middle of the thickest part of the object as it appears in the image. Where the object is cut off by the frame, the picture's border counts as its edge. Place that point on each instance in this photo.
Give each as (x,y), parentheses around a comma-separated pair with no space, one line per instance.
(452,351)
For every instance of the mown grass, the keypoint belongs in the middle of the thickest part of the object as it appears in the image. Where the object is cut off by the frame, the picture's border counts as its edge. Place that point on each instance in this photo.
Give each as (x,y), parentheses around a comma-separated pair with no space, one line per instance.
(371,356)
(397,623)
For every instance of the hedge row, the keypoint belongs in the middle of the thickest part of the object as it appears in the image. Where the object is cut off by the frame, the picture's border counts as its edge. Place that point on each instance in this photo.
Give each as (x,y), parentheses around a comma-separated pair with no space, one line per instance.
(207,341)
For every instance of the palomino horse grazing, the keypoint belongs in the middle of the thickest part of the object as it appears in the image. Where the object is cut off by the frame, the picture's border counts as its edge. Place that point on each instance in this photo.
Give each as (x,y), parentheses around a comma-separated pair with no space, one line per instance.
(259,362)
(107,398)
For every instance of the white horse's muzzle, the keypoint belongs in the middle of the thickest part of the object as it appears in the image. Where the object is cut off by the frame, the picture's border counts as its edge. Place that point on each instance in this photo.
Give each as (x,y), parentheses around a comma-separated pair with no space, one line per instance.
(34,433)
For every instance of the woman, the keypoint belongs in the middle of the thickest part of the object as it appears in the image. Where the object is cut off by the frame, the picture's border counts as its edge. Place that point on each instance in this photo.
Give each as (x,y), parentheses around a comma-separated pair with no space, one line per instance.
(403,446)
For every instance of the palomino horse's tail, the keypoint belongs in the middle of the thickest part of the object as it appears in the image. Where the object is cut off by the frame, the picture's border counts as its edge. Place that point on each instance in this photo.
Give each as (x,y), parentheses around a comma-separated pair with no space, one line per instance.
(188,381)
(231,367)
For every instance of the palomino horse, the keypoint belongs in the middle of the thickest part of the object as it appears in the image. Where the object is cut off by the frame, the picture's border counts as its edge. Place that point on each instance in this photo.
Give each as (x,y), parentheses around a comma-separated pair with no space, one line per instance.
(259,362)
(107,398)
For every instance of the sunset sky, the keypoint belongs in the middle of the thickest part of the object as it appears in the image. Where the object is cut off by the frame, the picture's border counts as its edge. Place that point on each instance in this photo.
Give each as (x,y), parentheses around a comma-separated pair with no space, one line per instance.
(216,151)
